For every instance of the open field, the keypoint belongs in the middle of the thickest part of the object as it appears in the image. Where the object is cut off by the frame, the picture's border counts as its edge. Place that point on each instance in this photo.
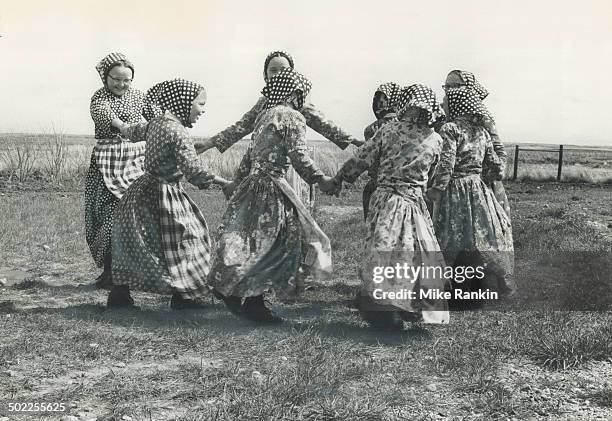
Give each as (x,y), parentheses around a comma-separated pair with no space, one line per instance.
(547,354)
(64,159)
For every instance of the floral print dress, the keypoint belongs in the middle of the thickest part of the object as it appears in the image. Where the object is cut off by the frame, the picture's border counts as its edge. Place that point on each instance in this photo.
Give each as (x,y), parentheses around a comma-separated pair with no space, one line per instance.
(472,226)
(269,241)
(315,119)
(400,230)
(369,188)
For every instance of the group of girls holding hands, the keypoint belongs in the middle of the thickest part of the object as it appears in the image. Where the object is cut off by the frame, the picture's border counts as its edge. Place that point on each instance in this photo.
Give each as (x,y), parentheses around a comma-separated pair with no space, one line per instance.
(434,197)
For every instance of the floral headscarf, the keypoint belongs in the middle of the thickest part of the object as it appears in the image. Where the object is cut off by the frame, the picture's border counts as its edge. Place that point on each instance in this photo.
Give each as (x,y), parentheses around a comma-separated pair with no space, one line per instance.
(283,84)
(422,97)
(177,96)
(462,101)
(274,54)
(108,62)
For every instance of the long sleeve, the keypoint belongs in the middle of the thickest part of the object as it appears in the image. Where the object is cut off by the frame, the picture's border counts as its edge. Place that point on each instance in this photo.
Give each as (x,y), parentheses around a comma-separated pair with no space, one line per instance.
(369,131)
(188,162)
(226,138)
(317,121)
(493,164)
(244,168)
(444,169)
(366,156)
(102,114)
(137,132)
(295,139)
(500,151)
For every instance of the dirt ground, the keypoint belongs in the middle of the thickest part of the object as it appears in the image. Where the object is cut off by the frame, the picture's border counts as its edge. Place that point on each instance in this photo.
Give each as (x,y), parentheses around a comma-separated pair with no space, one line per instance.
(59,343)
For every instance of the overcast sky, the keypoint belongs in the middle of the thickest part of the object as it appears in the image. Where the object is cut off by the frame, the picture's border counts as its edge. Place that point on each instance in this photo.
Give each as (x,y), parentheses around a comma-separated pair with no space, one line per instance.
(546,63)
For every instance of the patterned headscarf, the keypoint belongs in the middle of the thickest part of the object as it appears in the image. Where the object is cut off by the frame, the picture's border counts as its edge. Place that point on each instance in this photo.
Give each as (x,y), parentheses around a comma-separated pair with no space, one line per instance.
(422,97)
(177,96)
(283,84)
(392,91)
(463,101)
(274,54)
(108,62)
(470,81)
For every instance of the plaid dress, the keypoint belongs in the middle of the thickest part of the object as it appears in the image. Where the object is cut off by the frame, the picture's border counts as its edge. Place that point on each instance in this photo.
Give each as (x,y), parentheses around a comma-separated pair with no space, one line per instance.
(115,164)
(160,239)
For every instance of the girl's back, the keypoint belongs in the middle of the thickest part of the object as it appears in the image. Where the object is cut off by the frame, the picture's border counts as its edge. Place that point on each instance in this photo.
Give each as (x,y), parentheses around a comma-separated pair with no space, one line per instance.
(407,152)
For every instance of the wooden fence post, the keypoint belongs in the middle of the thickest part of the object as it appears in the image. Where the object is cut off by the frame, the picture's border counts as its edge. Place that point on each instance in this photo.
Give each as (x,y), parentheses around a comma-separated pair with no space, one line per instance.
(560,163)
(516,156)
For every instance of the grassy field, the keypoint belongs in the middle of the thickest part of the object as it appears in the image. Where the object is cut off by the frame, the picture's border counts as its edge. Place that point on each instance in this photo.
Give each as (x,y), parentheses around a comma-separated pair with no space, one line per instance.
(547,354)
(64,159)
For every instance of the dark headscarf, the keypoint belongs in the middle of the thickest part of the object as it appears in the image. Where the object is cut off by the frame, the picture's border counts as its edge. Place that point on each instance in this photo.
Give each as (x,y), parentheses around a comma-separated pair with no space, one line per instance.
(176,96)
(283,84)
(392,91)
(463,100)
(107,63)
(470,81)
(272,55)
(419,96)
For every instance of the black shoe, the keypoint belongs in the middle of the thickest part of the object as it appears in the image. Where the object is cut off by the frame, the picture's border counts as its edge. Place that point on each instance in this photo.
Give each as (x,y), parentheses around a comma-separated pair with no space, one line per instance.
(254,308)
(233,303)
(383,320)
(119,297)
(104,281)
(178,302)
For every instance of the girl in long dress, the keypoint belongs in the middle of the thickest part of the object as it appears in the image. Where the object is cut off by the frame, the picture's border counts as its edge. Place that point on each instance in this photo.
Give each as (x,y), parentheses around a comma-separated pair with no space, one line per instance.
(471,225)
(458,78)
(160,240)
(384,105)
(270,242)
(400,230)
(115,161)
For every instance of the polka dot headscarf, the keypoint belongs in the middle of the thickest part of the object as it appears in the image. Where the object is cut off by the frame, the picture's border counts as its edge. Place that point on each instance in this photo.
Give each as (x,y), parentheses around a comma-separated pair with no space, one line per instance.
(108,62)
(470,81)
(177,96)
(392,91)
(276,54)
(422,97)
(283,84)
(462,101)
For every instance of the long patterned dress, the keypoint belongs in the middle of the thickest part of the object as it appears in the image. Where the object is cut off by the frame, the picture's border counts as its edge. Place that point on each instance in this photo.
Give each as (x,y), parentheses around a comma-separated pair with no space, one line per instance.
(269,240)
(370,187)
(491,177)
(315,119)
(471,223)
(400,230)
(160,238)
(115,164)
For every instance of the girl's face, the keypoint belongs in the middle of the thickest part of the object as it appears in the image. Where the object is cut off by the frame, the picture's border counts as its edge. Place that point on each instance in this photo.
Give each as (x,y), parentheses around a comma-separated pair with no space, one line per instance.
(380,103)
(119,80)
(453,80)
(197,107)
(276,65)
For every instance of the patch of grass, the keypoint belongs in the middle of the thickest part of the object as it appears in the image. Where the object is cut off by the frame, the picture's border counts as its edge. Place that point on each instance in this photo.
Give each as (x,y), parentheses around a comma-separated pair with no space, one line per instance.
(560,344)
